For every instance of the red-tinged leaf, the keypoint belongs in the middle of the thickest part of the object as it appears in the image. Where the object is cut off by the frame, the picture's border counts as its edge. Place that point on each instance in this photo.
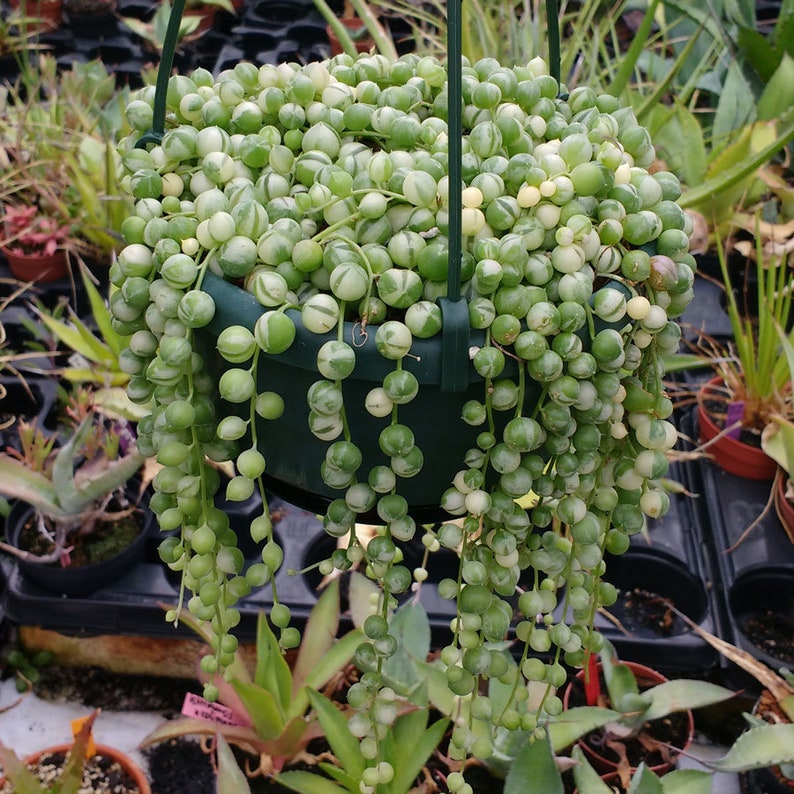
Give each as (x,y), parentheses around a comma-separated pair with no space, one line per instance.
(191,726)
(70,780)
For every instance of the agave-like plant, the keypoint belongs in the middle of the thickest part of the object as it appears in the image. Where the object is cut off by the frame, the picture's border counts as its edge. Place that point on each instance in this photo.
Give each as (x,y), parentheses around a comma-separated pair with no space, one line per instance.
(69,488)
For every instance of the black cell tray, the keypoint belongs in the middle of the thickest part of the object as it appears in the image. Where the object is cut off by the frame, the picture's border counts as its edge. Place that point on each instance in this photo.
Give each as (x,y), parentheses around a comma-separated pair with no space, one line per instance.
(755,575)
(134,604)
(667,563)
(706,314)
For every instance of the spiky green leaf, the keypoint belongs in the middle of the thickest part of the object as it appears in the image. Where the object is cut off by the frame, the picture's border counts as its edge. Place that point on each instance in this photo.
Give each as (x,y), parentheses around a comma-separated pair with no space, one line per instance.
(587,780)
(574,723)
(644,781)
(687,781)
(761,746)
(682,695)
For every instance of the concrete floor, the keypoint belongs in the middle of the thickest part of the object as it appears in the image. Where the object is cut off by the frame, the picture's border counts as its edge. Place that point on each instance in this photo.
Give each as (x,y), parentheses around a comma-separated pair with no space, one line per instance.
(33,724)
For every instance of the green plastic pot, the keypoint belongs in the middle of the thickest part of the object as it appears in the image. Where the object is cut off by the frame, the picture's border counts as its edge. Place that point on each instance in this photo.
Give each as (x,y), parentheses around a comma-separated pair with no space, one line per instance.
(294,455)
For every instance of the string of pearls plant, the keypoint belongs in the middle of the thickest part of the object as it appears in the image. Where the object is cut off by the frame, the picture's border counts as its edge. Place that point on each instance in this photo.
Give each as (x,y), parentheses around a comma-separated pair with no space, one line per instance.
(324,188)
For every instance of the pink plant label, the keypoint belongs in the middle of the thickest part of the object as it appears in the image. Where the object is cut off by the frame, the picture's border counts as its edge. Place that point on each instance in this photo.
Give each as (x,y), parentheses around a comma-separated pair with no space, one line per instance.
(733,419)
(196,706)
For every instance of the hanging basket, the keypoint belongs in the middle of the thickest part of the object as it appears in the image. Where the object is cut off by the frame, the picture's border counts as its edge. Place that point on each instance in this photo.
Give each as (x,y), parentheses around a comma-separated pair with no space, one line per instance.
(447,379)
(294,455)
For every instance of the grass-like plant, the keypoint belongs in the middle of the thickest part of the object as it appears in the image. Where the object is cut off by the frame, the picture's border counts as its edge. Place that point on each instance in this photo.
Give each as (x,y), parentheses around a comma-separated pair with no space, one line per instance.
(755,370)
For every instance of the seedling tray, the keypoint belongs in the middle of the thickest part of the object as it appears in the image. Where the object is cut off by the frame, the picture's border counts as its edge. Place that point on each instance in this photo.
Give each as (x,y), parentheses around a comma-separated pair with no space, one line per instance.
(134,604)
(666,564)
(754,567)
(706,314)
(663,564)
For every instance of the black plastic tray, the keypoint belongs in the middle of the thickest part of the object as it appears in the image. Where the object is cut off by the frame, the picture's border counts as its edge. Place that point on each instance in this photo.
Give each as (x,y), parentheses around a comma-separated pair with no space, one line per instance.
(133,604)
(753,567)
(754,575)
(706,314)
(666,562)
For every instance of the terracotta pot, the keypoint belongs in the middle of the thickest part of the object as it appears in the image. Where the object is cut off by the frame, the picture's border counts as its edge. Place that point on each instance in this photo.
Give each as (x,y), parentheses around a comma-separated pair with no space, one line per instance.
(354,26)
(729,453)
(206,18)
(783,507)
(37,268)
(646,677)
(130,767)
(49,12)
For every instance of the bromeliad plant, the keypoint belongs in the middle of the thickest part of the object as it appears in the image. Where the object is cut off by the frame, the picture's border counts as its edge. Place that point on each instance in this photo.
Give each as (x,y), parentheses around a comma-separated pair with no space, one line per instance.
(28,231)
(318,198)
(272,704)
(94,351)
